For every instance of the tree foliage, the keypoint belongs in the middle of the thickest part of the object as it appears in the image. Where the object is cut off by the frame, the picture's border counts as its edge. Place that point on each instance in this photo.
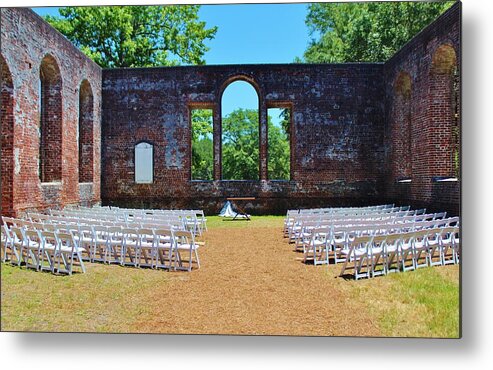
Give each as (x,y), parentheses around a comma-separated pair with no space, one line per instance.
(240,145)
(279,147)
(136,36)
(202,145)
(367,31)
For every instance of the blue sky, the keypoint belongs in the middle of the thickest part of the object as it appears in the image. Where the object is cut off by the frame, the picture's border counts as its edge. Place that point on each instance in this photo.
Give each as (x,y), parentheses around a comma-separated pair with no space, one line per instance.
(249,33)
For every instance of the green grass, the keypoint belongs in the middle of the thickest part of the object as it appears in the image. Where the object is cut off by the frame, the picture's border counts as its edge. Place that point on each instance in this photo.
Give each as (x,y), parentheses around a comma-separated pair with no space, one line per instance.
(422,303)
(105,299)
(256,221)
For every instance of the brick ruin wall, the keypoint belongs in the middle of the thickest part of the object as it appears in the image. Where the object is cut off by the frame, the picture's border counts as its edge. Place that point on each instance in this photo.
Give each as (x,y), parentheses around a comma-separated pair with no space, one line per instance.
(420,118)
(358,128)
(337,117)
(29,46)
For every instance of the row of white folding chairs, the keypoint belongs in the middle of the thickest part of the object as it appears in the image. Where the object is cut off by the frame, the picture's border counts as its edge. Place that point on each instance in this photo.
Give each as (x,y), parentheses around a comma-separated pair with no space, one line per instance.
(339,234)
(60,220)
(357,214)
(157,247)
(355,211)
(405,222)
(51,250)
(195,217)
(291,213)
(373,255)
(196,224)
(341,209)
(297,226)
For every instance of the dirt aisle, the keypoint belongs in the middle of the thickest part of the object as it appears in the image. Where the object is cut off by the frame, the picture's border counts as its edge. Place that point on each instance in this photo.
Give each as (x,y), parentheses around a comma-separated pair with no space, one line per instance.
(251,282)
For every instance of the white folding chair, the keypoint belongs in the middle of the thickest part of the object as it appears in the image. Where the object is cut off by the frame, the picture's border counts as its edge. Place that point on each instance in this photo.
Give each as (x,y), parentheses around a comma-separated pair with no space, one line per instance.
(18,243)
(406,251)
(131,241)
(84,237)
(164,244)
(67,252)
(420,247)
(100,243)
(317,249)
(49,250)
(449,245)
(391,254)
(434,247)
(34,248)
(357,253)
(376,253)
(184,242)
(145,248)
(114,245)
(7,242)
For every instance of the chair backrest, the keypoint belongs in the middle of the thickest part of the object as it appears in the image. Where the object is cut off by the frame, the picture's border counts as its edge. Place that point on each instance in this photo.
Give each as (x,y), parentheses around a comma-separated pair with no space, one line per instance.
(49,237)
(362,242)
(65,239)
(17,232)
(163,233)
(33,236)
(183,237)
(378,240)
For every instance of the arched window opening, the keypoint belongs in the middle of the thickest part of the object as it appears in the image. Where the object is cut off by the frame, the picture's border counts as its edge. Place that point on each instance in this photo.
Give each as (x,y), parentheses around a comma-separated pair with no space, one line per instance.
(279,147)
(401,131)
(202,144)
(144,163)
(86,136)
(7,138)
(444,108)
(240,132)
(50,121)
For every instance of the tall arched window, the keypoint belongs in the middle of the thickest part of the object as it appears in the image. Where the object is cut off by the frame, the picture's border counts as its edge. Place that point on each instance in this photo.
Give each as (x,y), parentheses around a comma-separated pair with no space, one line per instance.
(50,121)
(86,133)
(444,103)
(7,138)
(240,132)
(401,127)
(144,163)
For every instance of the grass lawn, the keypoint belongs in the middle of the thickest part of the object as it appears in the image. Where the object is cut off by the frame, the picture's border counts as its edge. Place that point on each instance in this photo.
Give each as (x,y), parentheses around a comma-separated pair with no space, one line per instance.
(250,282)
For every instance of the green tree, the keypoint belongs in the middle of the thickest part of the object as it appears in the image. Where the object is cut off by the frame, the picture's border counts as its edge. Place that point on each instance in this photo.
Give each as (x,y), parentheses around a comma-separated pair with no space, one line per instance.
(240,146)
(240,141)
(279,147)
(136,36)
(202,145)
(365,32)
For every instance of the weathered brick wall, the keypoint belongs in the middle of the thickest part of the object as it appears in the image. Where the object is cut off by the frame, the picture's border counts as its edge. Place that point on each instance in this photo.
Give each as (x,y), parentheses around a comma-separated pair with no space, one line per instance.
(337,143)
(26,40)
(428,60)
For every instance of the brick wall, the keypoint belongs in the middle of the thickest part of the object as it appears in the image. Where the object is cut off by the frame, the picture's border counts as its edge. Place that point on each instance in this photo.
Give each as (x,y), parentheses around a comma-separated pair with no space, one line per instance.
(27,41)
(429,60)
(337,130)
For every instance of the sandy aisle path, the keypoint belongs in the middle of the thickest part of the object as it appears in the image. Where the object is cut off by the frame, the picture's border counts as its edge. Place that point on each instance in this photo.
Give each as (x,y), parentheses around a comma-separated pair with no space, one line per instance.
(251,282)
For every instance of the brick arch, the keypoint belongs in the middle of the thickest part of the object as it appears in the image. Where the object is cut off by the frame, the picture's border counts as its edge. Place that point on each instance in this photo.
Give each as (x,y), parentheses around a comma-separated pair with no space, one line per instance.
(240,77)
(86,132)
(7,138)
(444,60)
(262,152)
(442,111)
(401,127)
(403,84)
(50,105)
